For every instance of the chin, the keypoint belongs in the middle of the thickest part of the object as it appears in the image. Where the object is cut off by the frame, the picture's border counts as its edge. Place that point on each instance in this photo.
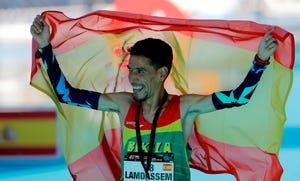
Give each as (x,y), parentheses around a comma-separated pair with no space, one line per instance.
(138,98)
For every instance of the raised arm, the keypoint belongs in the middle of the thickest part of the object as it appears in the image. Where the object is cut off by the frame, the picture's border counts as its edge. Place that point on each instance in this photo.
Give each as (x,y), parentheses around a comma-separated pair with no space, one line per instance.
(242,94)
(65,92)
(232,98)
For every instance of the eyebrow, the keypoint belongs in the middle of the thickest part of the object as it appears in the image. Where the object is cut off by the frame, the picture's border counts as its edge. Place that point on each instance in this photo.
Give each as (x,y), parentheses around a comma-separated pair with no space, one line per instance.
(140,68)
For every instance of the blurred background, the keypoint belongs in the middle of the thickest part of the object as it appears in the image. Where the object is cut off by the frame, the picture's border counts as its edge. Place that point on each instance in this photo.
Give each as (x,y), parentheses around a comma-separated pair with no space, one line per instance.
(27,116)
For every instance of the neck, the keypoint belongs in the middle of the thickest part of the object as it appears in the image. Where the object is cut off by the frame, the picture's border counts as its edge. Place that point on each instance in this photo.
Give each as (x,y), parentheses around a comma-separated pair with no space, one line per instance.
(155,102)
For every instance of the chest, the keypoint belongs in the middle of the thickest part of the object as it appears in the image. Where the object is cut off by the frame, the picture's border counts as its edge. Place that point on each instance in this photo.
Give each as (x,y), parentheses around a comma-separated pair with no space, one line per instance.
(149,116)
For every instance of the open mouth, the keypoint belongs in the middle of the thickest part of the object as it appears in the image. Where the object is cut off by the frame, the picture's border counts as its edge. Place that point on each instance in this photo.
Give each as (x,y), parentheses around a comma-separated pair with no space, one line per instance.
(137,88)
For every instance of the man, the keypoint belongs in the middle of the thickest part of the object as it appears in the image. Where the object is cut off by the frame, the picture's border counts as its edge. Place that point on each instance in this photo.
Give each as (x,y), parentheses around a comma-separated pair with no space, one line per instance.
(156,125)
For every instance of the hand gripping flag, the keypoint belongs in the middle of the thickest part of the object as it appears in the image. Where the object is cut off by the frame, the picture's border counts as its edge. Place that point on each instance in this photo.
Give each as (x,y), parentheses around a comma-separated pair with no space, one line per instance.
(210,55)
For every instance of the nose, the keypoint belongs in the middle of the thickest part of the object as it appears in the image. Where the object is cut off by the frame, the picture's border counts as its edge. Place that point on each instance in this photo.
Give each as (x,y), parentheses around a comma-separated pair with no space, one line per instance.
(133,77)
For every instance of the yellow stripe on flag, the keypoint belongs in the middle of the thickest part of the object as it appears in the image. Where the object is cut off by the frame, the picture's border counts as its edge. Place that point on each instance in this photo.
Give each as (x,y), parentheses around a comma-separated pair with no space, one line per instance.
(30,133)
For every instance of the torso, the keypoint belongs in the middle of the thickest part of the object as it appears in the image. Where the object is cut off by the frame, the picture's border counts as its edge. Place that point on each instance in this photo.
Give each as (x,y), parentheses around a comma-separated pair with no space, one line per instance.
(187,120)
(169,128)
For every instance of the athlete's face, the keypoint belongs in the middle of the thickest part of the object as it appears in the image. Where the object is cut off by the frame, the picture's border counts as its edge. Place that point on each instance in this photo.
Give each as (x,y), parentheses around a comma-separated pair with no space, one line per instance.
(143,77)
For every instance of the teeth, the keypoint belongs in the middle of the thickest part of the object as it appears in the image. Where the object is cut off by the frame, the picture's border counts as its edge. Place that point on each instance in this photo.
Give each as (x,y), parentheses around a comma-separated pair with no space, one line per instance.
(137,87)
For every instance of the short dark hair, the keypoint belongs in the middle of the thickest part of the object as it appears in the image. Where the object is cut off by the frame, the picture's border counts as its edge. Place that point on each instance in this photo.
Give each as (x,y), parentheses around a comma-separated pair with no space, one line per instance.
(157,50)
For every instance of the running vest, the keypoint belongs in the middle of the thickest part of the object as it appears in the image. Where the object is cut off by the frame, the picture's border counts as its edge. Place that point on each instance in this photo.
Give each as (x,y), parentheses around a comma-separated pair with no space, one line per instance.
(170,160)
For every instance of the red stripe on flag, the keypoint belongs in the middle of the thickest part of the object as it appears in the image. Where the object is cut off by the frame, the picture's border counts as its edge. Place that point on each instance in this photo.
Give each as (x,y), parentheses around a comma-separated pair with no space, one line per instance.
(167,167)
(28,151)
(22,115)
(213,157)
(103,162)
(243,34)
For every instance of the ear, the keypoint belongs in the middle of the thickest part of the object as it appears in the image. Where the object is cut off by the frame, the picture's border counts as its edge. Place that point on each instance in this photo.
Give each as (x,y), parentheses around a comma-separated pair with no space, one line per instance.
(163,73)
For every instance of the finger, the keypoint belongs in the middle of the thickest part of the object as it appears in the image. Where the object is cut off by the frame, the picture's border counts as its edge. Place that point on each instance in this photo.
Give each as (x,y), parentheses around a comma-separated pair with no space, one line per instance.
(38,23)
(38,17)
(273,46)
(42,21)
(37,26)
(270,41)
(270,31)
(269,38)
(39,20)
(34,29)
(268,35)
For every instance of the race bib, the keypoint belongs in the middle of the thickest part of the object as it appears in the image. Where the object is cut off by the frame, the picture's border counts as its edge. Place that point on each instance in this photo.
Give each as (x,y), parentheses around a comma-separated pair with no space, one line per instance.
(162,167)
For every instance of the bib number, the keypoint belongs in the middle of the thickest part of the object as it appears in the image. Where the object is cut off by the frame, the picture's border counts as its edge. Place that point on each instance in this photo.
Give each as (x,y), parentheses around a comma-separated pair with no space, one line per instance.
(162,168)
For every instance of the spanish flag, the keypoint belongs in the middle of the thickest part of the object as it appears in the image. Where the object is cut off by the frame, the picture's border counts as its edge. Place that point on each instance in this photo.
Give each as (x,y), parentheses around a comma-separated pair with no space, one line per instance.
(210,55)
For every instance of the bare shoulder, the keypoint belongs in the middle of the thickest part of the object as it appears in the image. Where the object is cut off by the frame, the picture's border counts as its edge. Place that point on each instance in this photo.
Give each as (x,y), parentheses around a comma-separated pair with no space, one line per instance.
(194,103)
(188,100)
(115,102)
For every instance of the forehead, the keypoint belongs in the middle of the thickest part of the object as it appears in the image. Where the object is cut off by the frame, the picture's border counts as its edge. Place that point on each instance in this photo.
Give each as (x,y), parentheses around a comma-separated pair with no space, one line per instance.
(139,61)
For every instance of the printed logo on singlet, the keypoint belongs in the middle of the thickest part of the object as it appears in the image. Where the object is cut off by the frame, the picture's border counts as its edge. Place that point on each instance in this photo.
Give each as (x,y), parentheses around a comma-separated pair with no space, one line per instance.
(162,167)
(131,124)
